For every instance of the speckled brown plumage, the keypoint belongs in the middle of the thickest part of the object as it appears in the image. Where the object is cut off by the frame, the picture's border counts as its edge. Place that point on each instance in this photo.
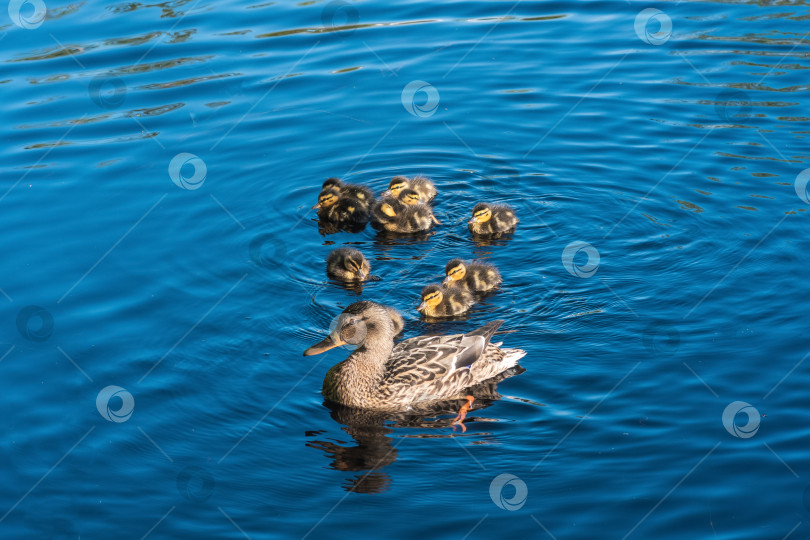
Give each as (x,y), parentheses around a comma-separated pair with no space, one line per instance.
(380,375)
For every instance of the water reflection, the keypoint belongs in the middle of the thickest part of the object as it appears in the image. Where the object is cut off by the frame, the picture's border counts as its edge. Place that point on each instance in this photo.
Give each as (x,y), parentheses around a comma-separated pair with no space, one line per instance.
(374,448)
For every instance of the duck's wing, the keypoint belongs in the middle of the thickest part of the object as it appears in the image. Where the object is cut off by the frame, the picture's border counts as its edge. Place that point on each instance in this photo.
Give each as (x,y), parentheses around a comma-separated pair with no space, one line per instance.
(433,360)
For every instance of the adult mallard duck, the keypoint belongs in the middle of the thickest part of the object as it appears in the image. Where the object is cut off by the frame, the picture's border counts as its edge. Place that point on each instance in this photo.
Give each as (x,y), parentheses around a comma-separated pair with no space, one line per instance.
(420,370)
(492,220)
(474,276)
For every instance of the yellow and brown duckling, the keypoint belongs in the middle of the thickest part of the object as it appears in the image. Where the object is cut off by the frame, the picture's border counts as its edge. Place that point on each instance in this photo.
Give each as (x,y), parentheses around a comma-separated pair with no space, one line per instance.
(421,184)
(378,375)
(348,264)
(473,276)
(402,214)
(343,211)
(438,302)
(492,220)
(363,195)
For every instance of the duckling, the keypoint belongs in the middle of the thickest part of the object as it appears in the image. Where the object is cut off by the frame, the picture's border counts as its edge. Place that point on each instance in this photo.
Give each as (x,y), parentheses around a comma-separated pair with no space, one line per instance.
(421,184)
(347,264)
(342,211)
(395,215)
(363,195)
(492,220)
(438,301)
(475,276)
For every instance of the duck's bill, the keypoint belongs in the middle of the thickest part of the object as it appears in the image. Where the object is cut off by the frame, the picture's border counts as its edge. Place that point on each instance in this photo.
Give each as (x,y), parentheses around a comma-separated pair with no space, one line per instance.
(473,221)
(323,346)
(318,205)
(447,280)
(421,307)
(386,193)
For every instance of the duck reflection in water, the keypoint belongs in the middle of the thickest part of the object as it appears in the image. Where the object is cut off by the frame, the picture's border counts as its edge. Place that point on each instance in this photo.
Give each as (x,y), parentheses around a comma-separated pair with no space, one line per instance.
(377,434)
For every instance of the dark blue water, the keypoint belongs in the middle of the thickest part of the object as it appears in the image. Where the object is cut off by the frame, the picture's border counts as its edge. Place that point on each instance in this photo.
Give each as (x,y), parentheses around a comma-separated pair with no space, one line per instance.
(670,144)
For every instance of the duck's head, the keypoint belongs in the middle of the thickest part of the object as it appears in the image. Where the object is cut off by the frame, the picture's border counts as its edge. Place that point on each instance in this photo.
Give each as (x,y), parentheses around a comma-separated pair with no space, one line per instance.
(481,213)
(353,262)
(332,183)
(327,198)
(391,207)
(359,321)
(408,196)
(454,271)
(397,184)
(431,297)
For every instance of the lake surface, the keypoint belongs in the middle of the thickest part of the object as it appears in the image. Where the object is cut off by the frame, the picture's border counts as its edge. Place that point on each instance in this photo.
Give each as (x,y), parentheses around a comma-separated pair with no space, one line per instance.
(163,271)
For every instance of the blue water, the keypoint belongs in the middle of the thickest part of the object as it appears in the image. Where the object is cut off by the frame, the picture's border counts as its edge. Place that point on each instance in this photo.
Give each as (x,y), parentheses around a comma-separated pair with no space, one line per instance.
(673,149)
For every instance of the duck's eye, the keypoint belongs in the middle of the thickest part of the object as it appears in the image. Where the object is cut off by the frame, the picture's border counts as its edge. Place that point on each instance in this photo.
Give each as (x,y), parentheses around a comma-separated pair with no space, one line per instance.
(353,332)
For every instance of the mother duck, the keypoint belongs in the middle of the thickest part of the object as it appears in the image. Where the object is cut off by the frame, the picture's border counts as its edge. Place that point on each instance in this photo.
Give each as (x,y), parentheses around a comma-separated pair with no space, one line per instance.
(419,370)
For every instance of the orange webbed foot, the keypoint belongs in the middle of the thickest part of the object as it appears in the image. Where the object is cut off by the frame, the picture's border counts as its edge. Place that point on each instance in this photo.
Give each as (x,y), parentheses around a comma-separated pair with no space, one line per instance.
(462,414)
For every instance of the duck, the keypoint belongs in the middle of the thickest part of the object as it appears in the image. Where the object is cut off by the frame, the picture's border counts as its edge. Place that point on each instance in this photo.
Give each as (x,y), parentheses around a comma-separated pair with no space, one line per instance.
(492,220)
(379,375)
(361,194)
(402,214)
(473,276)
(421,184)
(396,318)
(348,264)
(342,211)
(439,302)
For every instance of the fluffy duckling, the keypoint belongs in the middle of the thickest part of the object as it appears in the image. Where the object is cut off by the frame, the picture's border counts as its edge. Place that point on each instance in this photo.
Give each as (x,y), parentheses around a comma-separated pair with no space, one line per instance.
(475,276)
(395,215)
(363,195)
(347,264)
(421,184)
(343,211)
(438,301)
(490,220)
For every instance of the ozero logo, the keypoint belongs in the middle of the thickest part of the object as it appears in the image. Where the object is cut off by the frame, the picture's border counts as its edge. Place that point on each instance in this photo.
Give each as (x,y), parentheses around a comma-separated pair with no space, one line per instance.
(112,394)
(183,161)
(420,109)
(730,415)
(580,270)
(497,488)
(35,323)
